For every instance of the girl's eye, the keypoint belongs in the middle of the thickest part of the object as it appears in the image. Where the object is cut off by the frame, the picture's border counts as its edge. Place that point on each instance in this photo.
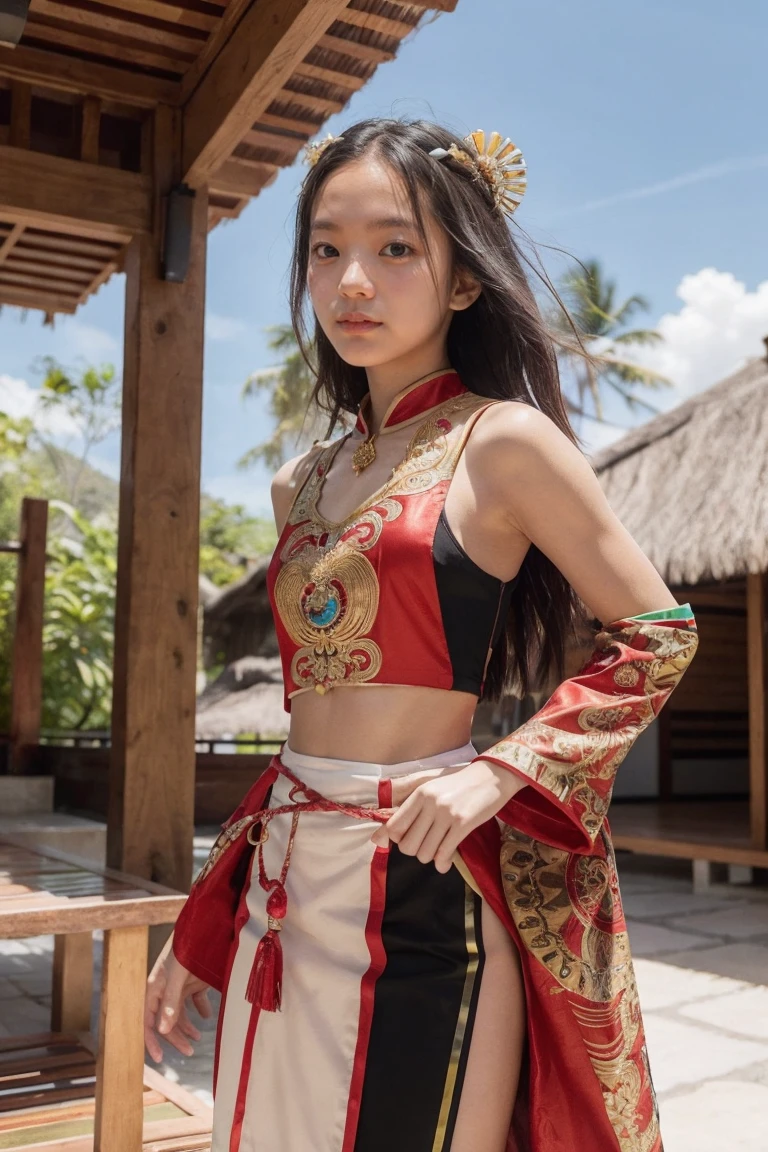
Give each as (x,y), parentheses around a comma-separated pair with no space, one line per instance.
(317,250)
(399,244)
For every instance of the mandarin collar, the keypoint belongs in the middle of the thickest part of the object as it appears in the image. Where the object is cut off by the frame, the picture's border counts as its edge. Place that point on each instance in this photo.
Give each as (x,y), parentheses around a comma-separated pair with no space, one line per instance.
(413,401)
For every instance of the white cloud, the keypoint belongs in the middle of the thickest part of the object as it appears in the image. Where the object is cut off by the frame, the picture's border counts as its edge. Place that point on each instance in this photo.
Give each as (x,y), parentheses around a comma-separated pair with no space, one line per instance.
(720,326)
(223,327)
(18,398)
(95,345)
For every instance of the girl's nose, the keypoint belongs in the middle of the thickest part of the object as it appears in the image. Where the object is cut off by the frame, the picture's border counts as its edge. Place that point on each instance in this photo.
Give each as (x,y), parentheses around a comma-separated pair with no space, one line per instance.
(355,279)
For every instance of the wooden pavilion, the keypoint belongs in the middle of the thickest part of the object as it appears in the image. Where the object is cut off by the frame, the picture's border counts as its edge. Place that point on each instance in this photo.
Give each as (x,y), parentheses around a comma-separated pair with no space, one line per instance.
(691,486)
(128,129)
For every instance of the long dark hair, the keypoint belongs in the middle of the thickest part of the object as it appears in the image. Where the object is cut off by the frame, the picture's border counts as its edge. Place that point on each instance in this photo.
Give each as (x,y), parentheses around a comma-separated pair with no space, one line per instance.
(500,347)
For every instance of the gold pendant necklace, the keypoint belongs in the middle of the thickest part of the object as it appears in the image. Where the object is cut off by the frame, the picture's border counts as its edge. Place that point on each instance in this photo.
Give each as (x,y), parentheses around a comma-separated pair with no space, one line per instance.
(364,455)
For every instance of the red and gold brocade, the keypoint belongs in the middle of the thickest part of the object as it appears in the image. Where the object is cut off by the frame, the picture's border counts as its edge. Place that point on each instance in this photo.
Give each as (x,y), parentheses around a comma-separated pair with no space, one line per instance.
(558,890)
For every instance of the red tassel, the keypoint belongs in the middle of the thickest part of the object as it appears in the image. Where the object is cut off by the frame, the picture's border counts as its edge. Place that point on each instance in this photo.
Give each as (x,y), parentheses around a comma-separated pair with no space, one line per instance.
(265,984)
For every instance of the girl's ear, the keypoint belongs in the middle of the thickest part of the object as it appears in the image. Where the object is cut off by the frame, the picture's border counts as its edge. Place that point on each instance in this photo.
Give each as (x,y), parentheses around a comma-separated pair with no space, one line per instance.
(465,290)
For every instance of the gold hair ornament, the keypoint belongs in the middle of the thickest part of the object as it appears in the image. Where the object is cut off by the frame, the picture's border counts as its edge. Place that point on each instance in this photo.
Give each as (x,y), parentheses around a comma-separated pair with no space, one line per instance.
(500,165)
(313,152)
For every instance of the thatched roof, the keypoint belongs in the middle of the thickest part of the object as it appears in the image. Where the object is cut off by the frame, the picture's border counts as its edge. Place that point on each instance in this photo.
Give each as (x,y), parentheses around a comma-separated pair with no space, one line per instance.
(246,697)
(691,485)
(248,592)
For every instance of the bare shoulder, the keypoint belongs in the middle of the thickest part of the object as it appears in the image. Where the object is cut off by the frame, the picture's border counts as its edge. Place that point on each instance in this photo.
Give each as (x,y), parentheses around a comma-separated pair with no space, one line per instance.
(515,441)
(289,478)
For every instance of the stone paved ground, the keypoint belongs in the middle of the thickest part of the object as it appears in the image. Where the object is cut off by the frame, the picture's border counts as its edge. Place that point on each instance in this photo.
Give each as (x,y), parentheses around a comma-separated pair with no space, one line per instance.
(702,967)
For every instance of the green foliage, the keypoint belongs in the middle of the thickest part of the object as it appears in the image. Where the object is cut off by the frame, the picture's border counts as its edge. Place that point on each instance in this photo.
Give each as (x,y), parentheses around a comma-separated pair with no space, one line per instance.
(78,629)
(17,477)
(229,537)
(91,400)
(298,420)
(602,326)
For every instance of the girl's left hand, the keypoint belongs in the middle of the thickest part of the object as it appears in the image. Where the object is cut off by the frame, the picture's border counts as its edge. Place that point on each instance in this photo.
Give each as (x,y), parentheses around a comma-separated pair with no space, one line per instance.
(438,815)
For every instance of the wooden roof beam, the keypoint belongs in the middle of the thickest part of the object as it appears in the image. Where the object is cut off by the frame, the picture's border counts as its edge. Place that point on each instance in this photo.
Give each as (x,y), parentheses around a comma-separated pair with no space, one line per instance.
(265,49)
(234,179)
(70,195)
(35,298)
(68,74)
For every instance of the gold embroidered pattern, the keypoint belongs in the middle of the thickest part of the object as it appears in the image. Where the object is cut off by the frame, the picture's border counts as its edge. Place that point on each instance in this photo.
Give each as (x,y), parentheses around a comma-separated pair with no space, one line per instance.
(567,909)
(328,601)
(327,592)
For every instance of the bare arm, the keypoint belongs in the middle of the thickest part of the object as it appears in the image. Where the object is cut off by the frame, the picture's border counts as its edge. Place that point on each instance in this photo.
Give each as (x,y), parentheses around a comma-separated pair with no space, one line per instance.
(546,492)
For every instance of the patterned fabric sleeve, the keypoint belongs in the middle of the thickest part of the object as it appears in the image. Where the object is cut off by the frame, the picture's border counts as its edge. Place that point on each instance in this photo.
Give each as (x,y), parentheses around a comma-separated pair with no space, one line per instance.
(568,753)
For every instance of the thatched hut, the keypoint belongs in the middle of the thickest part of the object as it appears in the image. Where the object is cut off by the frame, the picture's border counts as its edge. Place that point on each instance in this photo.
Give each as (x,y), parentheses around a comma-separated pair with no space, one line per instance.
(691,486)
(238,633)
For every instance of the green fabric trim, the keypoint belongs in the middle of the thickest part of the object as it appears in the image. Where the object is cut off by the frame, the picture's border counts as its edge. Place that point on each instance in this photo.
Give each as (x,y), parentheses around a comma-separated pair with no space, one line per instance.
(682,612)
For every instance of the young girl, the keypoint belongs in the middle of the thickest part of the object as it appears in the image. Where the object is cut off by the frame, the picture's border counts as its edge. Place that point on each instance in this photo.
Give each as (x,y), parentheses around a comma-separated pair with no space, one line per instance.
(441,931)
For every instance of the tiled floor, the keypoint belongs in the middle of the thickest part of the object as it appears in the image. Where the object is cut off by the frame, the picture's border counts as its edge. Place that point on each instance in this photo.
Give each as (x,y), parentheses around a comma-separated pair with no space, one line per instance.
(702,968)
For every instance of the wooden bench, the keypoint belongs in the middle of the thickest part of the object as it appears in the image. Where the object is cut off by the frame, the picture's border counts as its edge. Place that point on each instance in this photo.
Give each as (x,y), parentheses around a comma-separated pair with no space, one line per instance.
(59,1091)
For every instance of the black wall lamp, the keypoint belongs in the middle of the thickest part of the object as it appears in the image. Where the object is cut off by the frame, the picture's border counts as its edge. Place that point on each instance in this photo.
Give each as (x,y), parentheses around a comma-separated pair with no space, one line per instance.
(178,232)
(13,17)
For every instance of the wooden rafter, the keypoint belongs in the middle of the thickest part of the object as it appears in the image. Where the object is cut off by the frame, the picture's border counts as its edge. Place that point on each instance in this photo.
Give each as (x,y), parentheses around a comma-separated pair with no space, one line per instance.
(272,39)
(97,201)
(8,242)
(241,180)
(37,298)
(87,246)
(68,74)
(133,50)
(169,11)
(276,141)
(341,80)
(290,123)
(162,33)
(367,52)
(325,105)
(383,24)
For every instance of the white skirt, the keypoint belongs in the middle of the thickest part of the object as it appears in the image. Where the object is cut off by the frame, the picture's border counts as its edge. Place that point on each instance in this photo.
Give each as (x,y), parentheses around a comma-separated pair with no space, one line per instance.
(383,959)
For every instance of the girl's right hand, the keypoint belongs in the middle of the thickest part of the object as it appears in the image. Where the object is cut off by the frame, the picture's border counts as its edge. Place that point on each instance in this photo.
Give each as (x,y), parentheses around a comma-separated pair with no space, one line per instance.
(165,1011)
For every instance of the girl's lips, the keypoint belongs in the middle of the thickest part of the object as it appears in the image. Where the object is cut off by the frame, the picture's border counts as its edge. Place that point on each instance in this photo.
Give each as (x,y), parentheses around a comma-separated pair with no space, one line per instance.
(358,325)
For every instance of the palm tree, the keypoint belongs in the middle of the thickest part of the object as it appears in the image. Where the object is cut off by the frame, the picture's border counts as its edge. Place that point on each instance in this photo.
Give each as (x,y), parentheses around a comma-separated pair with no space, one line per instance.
(298,419)
(601,324)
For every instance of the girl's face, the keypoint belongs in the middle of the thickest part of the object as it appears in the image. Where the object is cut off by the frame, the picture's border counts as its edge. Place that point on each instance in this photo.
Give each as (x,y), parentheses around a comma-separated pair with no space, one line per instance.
(373,291)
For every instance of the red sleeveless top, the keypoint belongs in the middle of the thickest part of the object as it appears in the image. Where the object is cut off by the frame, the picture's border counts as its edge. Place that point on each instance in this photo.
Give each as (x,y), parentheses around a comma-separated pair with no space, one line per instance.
(387,595)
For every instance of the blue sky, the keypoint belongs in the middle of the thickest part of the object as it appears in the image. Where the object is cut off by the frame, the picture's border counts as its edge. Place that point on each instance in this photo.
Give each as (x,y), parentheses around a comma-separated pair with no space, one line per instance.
(644,129)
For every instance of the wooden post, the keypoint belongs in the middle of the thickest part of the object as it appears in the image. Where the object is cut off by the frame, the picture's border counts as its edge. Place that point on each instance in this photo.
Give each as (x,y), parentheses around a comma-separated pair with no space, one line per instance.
(21,114)
(757,669)
(119,1119)
(72,982)
(152,770)
(89,136)
(27,669)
